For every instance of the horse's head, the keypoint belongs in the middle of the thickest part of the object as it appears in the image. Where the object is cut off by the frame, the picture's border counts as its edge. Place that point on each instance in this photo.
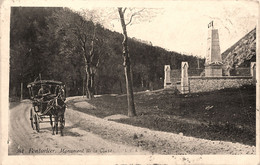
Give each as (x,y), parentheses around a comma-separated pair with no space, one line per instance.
(61,94)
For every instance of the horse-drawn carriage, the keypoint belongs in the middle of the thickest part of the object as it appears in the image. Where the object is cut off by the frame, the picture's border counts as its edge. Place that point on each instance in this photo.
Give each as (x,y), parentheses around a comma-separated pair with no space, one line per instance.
(48,101)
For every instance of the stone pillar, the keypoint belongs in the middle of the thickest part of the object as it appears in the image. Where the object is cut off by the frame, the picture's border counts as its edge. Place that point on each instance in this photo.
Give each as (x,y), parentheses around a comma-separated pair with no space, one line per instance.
(253,71)
(252,67)
(213,63)
(167,76)
(184,78)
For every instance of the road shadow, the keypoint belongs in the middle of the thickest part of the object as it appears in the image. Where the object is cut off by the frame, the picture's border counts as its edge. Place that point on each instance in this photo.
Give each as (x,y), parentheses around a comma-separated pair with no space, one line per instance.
(66,132)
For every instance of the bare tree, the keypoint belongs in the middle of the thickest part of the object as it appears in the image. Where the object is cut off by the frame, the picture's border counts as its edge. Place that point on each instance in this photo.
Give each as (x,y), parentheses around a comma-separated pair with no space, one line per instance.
(91,58)
(80,32)
(140,15)
(127,66)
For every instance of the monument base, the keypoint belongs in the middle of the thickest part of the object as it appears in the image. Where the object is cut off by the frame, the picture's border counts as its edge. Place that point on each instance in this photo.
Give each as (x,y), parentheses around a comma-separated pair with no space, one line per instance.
(213,71)
(185,90)
(167,85)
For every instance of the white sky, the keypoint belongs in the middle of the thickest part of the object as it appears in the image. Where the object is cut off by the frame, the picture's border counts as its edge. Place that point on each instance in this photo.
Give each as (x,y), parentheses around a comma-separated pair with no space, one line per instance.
(182,26)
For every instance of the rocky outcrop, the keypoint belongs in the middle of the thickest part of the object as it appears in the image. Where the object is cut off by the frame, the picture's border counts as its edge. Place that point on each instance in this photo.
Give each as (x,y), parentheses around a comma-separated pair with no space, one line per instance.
(241,54)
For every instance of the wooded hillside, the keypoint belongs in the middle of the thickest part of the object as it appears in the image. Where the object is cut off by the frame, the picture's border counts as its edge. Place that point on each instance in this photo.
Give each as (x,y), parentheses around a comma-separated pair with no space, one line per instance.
(52,42)
(241,54)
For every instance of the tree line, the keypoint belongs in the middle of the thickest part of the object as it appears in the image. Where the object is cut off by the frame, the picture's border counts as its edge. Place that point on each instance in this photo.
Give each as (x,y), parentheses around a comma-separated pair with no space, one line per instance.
(60,44)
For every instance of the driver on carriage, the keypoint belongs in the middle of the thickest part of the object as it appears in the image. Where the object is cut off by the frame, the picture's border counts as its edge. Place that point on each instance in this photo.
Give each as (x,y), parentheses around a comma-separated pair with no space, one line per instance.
(44,91)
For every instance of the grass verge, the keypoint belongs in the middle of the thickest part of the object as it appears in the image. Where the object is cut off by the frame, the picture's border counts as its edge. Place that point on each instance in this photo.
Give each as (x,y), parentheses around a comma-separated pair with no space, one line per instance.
(227,114)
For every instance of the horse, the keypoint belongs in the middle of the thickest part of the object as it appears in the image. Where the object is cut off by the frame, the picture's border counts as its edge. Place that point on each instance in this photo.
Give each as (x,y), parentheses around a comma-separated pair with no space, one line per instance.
(57,110)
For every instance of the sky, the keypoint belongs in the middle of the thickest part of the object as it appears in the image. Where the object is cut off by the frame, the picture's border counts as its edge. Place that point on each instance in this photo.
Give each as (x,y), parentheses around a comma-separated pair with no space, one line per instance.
(182,26)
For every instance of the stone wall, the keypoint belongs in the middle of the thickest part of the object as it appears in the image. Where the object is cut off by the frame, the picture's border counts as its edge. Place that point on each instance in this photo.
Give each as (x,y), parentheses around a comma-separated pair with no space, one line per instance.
(204,84)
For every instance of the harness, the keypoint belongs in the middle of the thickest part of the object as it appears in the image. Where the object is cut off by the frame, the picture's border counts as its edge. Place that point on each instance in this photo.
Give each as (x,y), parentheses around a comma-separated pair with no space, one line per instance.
(53,103)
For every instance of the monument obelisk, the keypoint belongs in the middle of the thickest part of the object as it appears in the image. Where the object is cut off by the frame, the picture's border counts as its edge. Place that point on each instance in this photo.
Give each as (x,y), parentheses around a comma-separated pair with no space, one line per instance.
(213,63)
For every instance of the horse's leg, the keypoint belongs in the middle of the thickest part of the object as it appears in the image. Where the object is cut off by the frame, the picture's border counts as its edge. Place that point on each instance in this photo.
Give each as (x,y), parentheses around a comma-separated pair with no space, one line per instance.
(52,126)
(56,123)
(61,124)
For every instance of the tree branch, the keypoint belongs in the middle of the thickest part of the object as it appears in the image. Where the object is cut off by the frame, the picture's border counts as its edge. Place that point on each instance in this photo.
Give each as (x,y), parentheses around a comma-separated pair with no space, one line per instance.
(83,42)
(134,14)
(124,10)
(83,54)
(97,63)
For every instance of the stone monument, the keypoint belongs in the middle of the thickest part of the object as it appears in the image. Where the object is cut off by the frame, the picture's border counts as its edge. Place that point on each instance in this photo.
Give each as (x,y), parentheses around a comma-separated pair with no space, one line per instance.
(184,78)
(253,71)
(167,76)
(213,63)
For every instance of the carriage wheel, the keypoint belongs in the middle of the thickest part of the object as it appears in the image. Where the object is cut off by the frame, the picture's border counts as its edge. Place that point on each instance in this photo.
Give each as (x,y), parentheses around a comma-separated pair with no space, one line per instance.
(36,121)
(32,118)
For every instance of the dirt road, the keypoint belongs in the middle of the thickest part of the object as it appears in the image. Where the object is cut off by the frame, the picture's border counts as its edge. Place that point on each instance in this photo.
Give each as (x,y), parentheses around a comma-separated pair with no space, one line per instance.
(76,140)
(85,134)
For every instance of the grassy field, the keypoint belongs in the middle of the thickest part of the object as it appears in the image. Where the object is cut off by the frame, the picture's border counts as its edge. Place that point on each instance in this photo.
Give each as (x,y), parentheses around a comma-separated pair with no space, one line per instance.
(227,115)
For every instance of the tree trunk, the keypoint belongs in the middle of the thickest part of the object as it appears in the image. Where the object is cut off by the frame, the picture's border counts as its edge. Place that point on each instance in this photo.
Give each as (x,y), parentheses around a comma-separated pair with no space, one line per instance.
(120,84)
(83,88)
(89,82)
(129,90)
(21,91)
(127,68)
(151,86)
(142,81)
